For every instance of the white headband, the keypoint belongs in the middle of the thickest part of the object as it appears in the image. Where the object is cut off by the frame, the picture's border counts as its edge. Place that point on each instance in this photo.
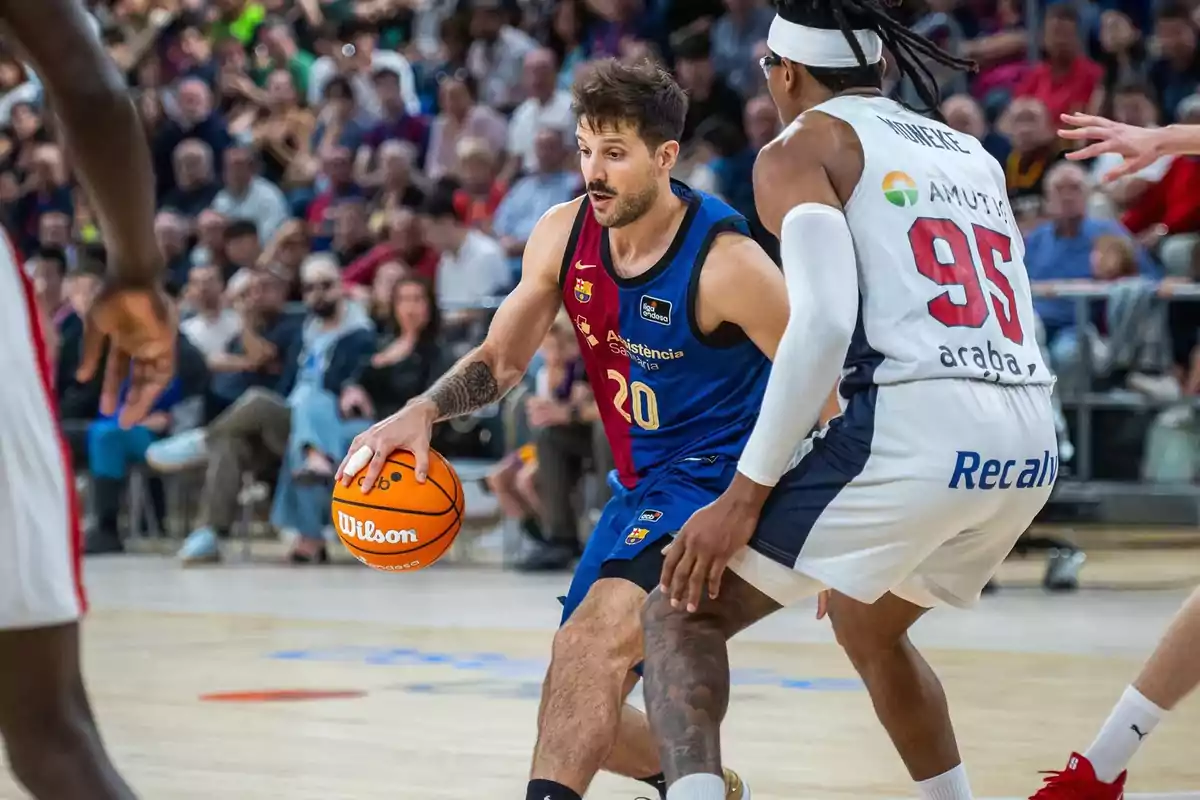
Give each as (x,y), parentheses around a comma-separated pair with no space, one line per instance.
(817,47)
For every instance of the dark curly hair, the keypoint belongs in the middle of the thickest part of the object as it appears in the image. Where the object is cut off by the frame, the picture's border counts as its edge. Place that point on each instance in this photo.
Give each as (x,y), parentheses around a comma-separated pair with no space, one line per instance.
(905,46)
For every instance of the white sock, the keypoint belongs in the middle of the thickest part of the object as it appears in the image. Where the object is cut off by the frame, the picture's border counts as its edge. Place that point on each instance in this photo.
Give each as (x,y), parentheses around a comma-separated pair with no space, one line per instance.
(952,785)
(1132,718)
(700,786)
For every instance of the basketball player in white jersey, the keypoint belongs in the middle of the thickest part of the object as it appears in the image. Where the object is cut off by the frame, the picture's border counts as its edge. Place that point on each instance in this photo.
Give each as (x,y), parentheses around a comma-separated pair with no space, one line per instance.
(905,275)
(1173,670)
(49,733)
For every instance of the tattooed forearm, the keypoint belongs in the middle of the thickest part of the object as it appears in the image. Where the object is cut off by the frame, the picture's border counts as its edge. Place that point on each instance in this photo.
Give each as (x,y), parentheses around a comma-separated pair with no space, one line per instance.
(469,386)
(687,687)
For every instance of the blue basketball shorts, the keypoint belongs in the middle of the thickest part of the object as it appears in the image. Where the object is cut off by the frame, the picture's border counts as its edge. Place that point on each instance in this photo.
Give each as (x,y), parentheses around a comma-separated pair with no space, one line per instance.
(638,523)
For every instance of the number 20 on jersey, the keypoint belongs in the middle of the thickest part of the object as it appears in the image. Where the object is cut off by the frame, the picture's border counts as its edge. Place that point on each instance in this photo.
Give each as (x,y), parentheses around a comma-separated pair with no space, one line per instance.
(635,402)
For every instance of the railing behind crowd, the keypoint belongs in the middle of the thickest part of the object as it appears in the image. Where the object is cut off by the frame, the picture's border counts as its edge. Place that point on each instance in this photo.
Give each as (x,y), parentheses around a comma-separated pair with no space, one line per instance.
(1083,399)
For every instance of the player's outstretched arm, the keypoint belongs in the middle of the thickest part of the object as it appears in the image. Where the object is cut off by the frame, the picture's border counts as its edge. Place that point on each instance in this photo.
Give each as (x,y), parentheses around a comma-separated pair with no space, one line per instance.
(795,197)
(1140,147)
(108,149)
(485,374)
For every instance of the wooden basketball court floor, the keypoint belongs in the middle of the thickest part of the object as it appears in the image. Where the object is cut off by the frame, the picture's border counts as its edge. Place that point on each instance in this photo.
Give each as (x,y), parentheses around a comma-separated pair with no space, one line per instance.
(441,671)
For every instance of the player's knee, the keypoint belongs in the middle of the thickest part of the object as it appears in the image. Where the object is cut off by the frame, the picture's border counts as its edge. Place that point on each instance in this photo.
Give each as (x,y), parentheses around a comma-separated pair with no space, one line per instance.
(665,626)
(657,616)
(251,401)
(600,640)
(256,394)
(857,632)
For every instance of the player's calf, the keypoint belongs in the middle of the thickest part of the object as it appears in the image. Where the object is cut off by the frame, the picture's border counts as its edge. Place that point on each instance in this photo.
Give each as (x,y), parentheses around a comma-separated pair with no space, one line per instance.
(689,733)
(687,680)
(634,753)
(584,690)
(907,695)
(50,736)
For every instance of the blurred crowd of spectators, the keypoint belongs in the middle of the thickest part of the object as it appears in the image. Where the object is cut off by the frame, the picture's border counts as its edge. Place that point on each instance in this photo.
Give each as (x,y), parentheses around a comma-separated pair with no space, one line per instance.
(346,188)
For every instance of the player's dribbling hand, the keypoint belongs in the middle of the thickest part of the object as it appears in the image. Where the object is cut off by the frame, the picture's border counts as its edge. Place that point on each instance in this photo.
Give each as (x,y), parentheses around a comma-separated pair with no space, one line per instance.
(1139,146)
(702,549)
(140,325)
(410,429)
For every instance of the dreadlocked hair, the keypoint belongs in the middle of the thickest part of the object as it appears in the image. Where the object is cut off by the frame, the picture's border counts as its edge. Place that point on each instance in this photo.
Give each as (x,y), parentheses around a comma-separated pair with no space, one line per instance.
(909,49)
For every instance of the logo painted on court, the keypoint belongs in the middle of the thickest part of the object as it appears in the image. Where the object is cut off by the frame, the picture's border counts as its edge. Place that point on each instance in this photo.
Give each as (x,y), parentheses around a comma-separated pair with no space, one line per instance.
(899,189)
(636,535)
(583,290)
(500,675)
(282,695)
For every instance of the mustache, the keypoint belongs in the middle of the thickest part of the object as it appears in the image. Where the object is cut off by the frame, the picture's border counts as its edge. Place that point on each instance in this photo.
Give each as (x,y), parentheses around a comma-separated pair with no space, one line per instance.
(597,187)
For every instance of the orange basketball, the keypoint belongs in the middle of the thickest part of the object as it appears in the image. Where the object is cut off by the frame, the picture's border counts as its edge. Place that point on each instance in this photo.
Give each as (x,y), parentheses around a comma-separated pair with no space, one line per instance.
(401,525)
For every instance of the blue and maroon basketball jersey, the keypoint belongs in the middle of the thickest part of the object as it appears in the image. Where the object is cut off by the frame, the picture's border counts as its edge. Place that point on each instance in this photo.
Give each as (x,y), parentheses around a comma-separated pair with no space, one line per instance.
(666,390)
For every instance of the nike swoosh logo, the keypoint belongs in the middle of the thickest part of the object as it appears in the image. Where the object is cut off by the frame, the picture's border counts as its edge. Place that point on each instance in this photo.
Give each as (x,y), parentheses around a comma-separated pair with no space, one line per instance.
(581,265)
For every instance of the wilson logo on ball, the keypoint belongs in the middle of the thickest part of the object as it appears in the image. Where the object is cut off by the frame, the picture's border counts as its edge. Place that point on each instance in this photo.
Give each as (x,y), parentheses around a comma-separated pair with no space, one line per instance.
(399,524)
(369,532)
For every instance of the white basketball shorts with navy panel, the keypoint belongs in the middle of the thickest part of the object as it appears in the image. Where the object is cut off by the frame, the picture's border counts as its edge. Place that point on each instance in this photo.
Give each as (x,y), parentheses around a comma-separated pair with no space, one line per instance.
(946,449)
(40,543)
(919,488)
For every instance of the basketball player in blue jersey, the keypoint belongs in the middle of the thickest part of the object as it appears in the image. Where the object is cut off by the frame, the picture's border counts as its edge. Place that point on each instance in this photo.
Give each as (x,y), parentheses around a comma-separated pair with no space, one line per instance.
(906,277)
(677,312)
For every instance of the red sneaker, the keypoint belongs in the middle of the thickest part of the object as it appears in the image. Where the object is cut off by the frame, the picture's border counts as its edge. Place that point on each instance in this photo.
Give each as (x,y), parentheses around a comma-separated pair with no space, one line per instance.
(1078,782)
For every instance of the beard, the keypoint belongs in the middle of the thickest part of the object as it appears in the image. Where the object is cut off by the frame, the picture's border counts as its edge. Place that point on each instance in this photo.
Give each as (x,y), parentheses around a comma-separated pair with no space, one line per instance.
(325,309)
(627,208)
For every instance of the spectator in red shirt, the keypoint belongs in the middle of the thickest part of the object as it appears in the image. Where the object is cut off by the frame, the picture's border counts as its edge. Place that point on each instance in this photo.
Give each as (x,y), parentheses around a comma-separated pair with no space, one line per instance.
(1168,207)
(480,189)
(1165,218)
(405,243)
(1067,80)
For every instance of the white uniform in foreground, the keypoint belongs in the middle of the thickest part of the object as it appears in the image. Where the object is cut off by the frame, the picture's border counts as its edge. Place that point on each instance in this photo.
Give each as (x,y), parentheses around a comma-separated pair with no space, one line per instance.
(946,449)
(40,582)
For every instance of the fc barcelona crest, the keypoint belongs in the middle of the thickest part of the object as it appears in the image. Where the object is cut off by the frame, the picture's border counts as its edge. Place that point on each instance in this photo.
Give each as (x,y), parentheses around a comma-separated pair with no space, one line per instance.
(583,290)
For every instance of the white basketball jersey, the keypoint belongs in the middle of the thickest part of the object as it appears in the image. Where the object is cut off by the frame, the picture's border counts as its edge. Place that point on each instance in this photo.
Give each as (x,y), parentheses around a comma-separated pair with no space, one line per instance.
(941,269)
